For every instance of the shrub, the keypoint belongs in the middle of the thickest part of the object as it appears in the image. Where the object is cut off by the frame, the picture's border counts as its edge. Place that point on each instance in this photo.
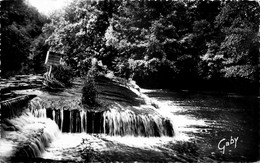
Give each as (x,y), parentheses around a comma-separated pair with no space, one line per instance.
(89,91)
(63,74)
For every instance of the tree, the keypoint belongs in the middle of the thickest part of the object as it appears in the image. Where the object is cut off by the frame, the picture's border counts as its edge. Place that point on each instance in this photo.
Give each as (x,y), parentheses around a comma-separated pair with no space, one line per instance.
(239,22)
(78,32)
(21,23)
(232,52)
(165,42)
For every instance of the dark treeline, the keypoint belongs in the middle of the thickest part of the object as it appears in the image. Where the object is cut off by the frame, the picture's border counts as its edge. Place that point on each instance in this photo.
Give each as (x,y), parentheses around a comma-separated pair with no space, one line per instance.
(208,45)
(21,32)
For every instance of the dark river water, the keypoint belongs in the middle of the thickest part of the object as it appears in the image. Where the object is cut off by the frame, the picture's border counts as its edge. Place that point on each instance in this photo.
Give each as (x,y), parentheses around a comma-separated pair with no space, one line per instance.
(231,122)
(209,127)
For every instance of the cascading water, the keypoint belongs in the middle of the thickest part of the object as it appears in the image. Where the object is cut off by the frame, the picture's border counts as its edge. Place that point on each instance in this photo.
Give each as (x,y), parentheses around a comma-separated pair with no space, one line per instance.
(14,107)
(24,135)
(111,122)
(30,137)
(128,123)
(38,133)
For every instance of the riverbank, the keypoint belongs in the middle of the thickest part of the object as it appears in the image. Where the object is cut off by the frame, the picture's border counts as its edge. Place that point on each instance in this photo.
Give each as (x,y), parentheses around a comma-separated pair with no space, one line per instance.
(220,86)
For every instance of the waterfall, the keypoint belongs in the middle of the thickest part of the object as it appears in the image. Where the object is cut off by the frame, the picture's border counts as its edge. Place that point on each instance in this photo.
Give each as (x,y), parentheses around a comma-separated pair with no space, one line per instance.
(111,122)
(128,123)
(31,137)
(15,106)
(83,121)
(25,128)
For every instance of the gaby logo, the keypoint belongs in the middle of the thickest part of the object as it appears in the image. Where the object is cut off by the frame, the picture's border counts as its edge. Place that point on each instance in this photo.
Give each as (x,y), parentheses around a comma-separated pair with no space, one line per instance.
(224,143)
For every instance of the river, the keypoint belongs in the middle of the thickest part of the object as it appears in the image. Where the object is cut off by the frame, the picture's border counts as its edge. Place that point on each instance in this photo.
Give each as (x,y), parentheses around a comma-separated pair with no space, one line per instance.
(209,127)
(219,118)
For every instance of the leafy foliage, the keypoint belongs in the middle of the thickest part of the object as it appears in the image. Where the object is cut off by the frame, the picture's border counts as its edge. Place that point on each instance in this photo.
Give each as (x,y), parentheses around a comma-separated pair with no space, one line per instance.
(78,33)
(239,48)
(21,24)
(63,74)
(157,43)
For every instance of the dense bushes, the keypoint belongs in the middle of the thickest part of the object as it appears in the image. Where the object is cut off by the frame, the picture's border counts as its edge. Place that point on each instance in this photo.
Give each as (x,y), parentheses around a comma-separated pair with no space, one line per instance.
(61,77)
(63,74)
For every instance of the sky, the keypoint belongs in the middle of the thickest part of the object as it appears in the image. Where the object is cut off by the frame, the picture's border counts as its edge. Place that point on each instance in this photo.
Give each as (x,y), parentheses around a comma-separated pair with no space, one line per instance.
(47,6)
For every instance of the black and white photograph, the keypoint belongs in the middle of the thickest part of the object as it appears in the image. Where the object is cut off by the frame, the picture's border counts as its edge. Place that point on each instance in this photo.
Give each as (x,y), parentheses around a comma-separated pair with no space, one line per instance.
(130,81)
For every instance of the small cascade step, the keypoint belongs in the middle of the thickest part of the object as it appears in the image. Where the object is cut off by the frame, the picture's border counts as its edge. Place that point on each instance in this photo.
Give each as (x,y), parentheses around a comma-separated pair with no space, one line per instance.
(14,107)
(30,139)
